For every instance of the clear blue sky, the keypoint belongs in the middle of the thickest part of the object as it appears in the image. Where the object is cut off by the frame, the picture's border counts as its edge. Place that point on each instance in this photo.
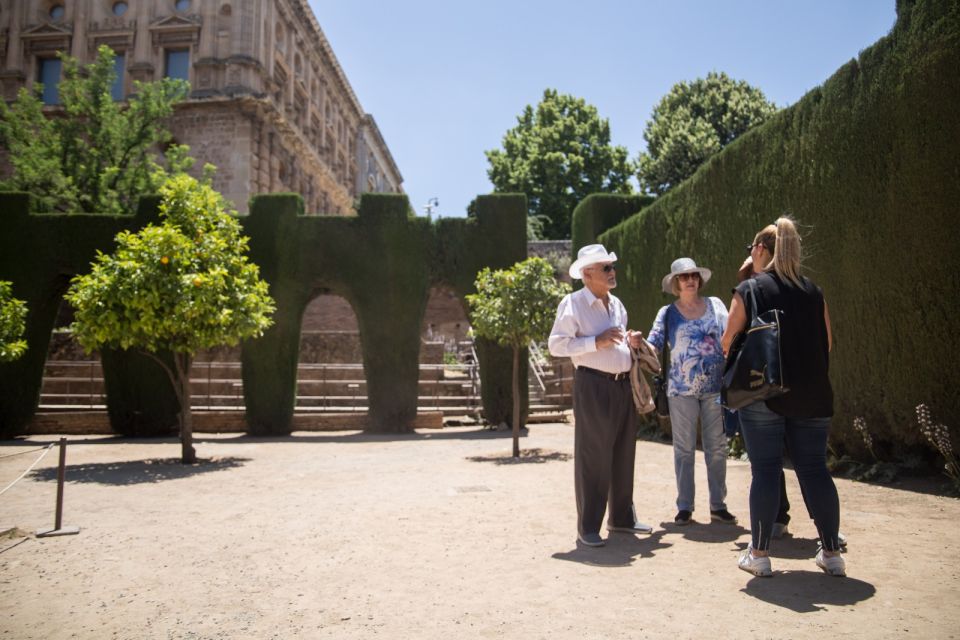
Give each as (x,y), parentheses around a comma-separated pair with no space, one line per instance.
(446,80)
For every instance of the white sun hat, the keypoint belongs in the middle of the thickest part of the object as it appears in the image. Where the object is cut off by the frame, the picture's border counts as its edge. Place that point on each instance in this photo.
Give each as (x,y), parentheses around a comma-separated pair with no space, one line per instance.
(588,255)
(683,265)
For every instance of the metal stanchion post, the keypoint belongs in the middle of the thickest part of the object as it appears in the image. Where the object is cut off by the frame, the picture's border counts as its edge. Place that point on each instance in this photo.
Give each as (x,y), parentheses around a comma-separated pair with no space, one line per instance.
(58,529)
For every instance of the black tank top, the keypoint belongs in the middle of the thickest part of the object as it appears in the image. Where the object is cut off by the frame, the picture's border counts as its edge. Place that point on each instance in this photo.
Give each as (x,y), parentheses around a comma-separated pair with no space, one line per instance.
(803,344)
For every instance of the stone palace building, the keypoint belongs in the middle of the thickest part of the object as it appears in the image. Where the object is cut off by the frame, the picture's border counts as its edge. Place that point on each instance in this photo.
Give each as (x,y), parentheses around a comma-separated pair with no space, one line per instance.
(269,105)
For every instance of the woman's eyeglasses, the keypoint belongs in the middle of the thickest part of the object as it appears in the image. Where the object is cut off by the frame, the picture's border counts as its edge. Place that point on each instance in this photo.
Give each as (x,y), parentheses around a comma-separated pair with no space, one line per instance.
(751,246)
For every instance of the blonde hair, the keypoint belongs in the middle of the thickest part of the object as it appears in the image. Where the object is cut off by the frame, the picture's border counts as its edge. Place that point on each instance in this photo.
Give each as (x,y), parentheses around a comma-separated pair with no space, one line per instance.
(787,251)
(767,238)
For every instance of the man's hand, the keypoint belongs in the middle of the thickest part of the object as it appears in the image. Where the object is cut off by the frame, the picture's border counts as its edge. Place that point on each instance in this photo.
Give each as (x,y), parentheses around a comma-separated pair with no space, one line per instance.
(609,338)
(634,338)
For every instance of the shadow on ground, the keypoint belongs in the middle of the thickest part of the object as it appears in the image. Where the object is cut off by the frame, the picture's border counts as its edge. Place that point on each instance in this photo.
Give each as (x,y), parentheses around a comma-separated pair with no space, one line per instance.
(620,551)
(138,471)
(808,591)
(536,456)
(706,532)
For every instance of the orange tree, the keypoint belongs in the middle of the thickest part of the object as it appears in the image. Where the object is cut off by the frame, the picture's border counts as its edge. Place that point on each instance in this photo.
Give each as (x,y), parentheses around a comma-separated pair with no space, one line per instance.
(514,307)
(174,288)
(13,318)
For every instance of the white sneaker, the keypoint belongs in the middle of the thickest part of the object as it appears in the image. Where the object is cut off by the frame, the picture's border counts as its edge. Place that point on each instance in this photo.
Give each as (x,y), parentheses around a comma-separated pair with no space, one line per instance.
(758,566)
(832,565)
(779,530)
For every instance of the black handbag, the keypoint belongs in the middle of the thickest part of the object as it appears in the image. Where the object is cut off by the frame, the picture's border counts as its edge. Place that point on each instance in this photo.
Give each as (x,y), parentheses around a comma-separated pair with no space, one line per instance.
(754,369)
(660,381)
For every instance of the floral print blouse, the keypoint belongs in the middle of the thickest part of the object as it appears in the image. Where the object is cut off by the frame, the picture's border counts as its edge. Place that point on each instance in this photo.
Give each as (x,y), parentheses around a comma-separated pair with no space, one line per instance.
(696,359)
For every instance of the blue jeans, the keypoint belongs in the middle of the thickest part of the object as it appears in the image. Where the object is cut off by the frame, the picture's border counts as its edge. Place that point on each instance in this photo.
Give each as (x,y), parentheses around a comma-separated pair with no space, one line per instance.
(684,412)
(763,434)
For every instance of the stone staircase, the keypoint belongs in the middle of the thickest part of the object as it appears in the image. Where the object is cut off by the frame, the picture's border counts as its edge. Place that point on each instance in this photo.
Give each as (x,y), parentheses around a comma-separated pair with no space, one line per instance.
(452,389)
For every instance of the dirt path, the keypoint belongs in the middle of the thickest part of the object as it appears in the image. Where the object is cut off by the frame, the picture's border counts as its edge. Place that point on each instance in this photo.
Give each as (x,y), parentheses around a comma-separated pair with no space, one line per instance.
(432,536)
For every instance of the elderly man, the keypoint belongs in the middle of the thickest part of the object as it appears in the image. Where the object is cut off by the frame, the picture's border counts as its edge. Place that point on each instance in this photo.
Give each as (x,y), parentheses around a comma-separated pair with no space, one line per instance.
(591,328)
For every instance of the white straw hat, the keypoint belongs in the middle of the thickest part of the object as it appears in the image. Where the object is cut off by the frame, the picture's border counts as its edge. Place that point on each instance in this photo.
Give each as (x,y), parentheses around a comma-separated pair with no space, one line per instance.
(683,265)
(588,255)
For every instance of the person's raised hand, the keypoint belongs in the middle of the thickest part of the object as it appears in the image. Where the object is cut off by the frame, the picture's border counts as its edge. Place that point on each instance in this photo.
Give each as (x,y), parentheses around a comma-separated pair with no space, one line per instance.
(610,338)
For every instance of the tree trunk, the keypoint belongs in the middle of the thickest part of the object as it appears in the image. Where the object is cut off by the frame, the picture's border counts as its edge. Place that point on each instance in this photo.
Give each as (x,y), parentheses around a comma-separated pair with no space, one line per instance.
(516,402)
(188,454)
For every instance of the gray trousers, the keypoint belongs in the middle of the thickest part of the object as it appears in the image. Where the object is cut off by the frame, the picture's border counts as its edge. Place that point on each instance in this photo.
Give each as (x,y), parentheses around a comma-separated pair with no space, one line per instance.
(605,446)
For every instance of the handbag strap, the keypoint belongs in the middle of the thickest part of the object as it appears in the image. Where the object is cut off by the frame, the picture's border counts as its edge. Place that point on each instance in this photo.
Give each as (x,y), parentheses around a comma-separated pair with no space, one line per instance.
(666,340)
(752,311)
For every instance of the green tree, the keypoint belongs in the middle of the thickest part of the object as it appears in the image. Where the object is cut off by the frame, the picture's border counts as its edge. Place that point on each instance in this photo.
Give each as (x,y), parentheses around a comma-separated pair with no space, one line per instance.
(558,154)
(514,307)
(176,287)
(13,319)
(693,122)
(97,155)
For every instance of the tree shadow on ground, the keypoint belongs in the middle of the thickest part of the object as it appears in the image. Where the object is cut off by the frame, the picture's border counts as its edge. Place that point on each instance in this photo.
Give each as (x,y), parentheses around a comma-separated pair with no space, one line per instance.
(535,456)
(138,471)
(620,551)
(341,436)
(808,591)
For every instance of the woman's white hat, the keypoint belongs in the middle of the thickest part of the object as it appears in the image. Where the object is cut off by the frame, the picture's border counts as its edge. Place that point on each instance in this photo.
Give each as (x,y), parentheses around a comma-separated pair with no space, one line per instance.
(683,265)
(588,255)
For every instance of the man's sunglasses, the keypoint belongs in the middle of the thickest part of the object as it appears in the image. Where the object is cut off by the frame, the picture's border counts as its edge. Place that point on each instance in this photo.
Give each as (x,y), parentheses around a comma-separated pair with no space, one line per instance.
(607,268)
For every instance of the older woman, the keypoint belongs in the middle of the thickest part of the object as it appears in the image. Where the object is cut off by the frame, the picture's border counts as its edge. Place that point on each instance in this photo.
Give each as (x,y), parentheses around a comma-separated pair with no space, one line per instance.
(802,415)
(691,327)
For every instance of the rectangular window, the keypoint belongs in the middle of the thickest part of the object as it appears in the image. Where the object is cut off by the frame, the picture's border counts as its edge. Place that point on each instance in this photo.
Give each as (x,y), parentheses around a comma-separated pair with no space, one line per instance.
(48,73)
(118,64)
(177,64)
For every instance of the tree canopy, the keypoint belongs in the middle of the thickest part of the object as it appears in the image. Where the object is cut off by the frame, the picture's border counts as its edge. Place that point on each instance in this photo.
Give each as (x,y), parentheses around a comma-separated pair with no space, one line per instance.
(95,155)
(180,286)
(13,319)
(693,122)
(558,154)
(514,307)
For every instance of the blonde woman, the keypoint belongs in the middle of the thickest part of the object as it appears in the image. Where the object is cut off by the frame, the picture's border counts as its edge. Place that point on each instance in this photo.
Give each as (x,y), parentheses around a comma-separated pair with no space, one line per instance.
(802,415)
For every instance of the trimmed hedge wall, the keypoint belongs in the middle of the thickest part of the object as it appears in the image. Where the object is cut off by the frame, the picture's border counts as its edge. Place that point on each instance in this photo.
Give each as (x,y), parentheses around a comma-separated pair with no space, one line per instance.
(40,253)
(869,164)
(600,211)
(383,262)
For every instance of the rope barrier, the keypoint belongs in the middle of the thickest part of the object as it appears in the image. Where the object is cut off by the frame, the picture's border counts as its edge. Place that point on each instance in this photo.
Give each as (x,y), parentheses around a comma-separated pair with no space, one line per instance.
(46,450)
(20,453)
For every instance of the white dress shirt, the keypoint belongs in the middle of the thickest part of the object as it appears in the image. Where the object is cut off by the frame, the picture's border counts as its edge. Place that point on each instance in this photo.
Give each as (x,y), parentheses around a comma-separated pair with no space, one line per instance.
(581,317)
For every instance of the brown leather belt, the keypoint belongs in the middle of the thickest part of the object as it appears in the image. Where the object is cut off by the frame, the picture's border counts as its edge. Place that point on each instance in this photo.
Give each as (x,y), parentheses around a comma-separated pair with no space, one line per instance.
(604,374)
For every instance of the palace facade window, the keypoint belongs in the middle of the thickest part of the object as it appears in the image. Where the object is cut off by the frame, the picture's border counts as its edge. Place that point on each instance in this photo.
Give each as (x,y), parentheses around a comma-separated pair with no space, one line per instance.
(48,73)
(119,67)
(177,64)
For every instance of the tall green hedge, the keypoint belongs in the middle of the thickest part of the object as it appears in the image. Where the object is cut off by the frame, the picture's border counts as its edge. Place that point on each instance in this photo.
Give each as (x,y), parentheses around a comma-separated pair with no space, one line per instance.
(869,164)
(383,261)
(39,253)
(598,212)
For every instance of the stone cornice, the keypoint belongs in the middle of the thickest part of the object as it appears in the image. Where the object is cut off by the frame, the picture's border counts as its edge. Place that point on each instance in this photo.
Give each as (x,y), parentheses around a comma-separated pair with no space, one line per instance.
(305,15)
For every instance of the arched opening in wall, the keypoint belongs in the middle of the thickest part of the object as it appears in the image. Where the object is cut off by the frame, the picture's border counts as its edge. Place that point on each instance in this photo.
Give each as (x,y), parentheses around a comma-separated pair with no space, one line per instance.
(449,374)
(72,378)
(330,376)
